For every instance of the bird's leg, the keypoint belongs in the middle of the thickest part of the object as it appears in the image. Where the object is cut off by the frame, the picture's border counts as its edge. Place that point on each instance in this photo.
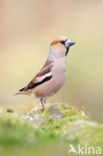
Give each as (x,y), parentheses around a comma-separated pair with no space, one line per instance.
(42,103)
(45,101)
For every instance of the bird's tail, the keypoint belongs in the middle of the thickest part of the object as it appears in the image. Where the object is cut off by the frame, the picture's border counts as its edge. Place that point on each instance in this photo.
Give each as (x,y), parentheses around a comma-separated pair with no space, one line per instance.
(17,93)
(22,92)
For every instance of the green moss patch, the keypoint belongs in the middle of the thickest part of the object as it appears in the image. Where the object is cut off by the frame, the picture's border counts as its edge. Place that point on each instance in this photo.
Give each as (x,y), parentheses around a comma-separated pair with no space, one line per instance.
(55,127)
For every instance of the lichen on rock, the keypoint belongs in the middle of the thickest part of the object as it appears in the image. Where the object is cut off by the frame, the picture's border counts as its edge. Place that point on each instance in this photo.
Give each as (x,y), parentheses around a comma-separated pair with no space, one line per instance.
(57,124)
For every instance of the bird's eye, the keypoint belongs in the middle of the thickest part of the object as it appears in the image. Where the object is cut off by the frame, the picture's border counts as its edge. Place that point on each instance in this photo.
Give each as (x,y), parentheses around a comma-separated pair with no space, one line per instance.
(62,42)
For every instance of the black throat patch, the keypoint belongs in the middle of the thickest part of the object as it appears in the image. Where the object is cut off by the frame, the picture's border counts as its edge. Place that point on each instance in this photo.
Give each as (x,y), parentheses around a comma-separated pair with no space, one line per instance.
(67,50)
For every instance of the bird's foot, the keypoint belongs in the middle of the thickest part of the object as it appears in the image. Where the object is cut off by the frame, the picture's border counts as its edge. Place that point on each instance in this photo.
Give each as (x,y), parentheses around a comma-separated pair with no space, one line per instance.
(47,105)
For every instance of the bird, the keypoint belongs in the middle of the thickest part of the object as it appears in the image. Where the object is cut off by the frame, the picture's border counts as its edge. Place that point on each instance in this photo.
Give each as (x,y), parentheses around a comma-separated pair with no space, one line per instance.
(53,74)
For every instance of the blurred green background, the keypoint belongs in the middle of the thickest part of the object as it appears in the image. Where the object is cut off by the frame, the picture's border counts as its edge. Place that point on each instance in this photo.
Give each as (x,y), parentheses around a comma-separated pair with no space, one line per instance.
(26,29)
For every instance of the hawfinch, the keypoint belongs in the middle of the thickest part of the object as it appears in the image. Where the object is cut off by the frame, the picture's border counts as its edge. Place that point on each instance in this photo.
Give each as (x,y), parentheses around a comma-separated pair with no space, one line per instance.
(52,75)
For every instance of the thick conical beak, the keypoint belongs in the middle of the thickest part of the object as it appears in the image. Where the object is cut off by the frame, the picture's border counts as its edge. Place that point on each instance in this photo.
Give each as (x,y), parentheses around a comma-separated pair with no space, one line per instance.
(69,43)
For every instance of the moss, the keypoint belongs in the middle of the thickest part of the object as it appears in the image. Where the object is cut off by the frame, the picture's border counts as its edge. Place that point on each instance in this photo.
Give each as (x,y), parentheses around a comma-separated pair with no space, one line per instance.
(10,110)
(55,126)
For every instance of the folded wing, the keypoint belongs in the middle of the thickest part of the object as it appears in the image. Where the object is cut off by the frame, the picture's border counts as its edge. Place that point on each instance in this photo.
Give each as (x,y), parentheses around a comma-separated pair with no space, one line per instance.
(44,75)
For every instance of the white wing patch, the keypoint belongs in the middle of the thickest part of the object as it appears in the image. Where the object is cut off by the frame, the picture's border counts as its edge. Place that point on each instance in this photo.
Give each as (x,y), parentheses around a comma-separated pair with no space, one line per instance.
(44,76)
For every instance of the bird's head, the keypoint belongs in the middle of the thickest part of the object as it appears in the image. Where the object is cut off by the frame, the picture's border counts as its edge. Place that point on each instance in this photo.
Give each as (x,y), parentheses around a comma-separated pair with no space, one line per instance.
(60,47)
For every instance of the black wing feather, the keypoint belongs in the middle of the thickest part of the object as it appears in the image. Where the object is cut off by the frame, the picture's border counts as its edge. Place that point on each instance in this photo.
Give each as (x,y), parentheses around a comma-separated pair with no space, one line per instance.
(33,85)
